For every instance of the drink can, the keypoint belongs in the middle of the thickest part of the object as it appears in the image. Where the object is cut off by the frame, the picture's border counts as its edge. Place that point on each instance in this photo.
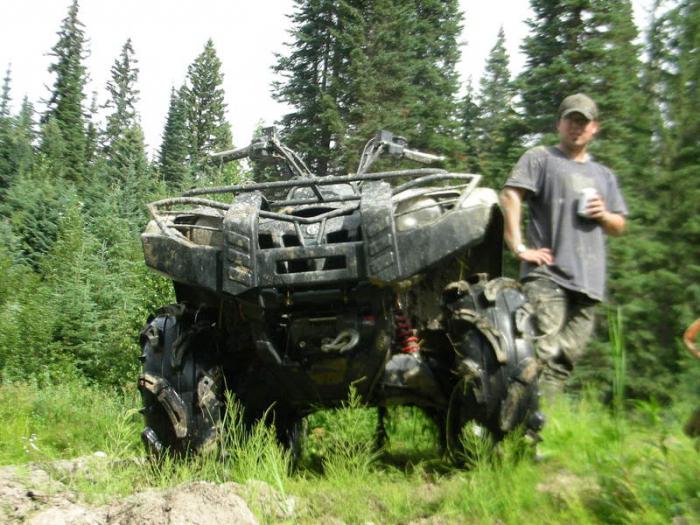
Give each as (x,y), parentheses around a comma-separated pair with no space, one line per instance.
(584,197)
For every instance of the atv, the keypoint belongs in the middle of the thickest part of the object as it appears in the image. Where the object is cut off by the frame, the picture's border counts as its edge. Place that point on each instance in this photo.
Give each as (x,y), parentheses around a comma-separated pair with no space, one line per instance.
(292,292)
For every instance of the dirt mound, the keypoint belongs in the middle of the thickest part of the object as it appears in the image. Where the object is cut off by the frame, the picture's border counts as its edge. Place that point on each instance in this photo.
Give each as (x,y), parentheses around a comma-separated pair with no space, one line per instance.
(29,494)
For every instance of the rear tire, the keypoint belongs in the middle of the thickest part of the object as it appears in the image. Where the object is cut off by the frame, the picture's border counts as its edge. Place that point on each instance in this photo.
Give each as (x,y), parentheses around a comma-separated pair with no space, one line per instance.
(181,383)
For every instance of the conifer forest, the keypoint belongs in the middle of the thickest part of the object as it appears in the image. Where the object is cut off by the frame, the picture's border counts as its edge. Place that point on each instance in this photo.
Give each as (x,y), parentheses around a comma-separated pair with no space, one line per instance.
(75,292)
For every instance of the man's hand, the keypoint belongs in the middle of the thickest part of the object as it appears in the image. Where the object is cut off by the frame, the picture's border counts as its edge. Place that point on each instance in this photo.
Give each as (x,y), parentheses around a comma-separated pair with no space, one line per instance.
(612,223)
(596,208)
(537,256)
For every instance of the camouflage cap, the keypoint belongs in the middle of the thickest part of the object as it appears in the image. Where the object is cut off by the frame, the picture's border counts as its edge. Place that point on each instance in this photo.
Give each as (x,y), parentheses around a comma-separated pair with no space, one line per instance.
(579,103)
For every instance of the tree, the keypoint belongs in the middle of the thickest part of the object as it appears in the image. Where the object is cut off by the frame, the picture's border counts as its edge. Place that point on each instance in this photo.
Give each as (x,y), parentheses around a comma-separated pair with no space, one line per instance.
(355,67)
(173,156)
(435,56)
(496,125)
(316,76)
(65,103)
(6,146)
(205,108)
(124,147)
(468,114)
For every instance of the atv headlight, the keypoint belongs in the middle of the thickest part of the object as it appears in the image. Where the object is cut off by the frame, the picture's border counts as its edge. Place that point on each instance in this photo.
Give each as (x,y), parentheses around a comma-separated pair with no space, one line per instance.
(416,212)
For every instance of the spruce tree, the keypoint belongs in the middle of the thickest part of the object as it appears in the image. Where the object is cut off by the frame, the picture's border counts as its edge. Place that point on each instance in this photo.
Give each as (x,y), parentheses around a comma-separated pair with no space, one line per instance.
(438,25)
(468,115)
(173,155)
(496,126)
(382,93)
(6,125)
(5,94)
(681,224)
(123,139)
(355,67)
(316,77)
(65,103)
(205,108)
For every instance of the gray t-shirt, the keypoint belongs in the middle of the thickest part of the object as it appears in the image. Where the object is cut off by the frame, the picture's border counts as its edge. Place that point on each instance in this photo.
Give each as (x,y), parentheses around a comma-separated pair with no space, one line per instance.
(553,182)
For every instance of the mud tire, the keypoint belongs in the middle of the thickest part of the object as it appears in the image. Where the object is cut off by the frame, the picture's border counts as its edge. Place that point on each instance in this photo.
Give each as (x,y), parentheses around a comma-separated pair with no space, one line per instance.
(495,396)
(181,383)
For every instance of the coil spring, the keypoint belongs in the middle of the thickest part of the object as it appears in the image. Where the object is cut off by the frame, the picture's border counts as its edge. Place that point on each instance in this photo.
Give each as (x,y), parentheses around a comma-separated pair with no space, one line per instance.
(406,339)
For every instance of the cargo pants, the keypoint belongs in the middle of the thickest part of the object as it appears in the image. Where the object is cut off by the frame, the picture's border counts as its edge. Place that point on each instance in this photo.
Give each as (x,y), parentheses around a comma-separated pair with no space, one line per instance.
(565,322)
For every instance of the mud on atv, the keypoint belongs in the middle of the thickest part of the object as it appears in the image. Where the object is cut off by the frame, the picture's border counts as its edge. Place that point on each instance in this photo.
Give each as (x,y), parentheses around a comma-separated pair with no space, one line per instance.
(289,292)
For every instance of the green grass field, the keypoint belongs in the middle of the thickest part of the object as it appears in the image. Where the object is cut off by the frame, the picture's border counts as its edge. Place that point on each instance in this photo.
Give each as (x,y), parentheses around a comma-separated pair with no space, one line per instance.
(596,466)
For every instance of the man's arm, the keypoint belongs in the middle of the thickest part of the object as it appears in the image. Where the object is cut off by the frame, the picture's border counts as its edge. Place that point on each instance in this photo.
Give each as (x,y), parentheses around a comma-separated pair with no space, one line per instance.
(511,202)
(612,223)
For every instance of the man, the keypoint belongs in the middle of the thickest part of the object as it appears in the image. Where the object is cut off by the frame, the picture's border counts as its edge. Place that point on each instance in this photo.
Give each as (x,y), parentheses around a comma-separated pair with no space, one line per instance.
(573,202)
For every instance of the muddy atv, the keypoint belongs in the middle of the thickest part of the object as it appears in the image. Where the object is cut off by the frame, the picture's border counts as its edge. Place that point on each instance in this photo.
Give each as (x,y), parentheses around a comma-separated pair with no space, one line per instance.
(291,292)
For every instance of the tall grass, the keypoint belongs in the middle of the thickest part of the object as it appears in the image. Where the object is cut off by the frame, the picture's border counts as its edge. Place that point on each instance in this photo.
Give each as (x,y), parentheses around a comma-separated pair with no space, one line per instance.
(619,357)
(597,470)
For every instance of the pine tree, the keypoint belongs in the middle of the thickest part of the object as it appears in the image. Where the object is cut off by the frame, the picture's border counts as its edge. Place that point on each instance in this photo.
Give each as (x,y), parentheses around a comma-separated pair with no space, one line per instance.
(24,137)
(5,94)
(496,126)
(355,67)
(173,156)
(680,220)
(468,114)
(436,53)
(6,146)
(382,93)
(92,131)
(205,108)
(65,103)
(124,147)
(316,76)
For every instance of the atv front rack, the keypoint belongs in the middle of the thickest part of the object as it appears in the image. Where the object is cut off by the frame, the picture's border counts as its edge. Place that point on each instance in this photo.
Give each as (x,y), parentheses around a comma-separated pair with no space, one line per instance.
(425,177)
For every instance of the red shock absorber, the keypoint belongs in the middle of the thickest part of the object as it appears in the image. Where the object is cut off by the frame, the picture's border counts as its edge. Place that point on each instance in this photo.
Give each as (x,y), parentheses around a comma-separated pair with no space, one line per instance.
(406,339)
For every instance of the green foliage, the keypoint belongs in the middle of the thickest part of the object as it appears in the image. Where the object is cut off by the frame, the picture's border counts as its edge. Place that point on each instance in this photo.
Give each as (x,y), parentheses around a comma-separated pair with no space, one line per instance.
(61,421)
(496,126)
(357,67)
(65,104)
(123,138)
(205,109)
(173,156)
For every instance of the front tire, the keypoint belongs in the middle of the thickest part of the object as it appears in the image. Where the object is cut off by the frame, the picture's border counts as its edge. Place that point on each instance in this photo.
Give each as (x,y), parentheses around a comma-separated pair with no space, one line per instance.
(495,391)
(181,383)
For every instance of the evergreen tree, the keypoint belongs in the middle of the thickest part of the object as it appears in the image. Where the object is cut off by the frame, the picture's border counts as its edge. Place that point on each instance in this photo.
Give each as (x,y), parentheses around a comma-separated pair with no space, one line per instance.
(6,146)
(5,94)
(356,67)
(382,92)
(316,78)
(496,126)
(24,136)
(435,55)
(205,108)
(681,224)
(124,147)
(173,156)
(92,132)
(65,103)
(468,114)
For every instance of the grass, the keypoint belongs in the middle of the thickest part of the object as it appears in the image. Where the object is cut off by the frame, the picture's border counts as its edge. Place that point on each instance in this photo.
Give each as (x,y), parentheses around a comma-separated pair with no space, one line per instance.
(600,465)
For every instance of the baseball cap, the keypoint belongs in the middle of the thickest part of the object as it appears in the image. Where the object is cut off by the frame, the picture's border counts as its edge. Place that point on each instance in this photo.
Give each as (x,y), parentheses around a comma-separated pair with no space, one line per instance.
(579,103)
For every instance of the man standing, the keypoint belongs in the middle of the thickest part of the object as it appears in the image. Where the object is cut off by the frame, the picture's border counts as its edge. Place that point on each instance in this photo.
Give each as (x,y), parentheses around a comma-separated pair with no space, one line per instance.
(573,202)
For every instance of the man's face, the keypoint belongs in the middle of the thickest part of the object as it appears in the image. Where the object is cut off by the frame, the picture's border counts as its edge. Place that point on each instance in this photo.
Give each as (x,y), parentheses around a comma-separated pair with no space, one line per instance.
(576,131)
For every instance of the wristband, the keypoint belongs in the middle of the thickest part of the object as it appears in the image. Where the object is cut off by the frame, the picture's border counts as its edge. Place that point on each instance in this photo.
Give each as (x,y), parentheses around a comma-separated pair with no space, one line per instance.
(520,248)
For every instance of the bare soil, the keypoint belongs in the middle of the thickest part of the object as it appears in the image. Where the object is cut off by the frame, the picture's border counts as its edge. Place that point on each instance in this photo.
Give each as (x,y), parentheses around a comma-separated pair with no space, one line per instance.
(30,494)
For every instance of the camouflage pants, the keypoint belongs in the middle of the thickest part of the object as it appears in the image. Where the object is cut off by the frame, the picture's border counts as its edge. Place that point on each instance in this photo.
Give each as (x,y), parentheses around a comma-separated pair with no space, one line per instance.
(565,324)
